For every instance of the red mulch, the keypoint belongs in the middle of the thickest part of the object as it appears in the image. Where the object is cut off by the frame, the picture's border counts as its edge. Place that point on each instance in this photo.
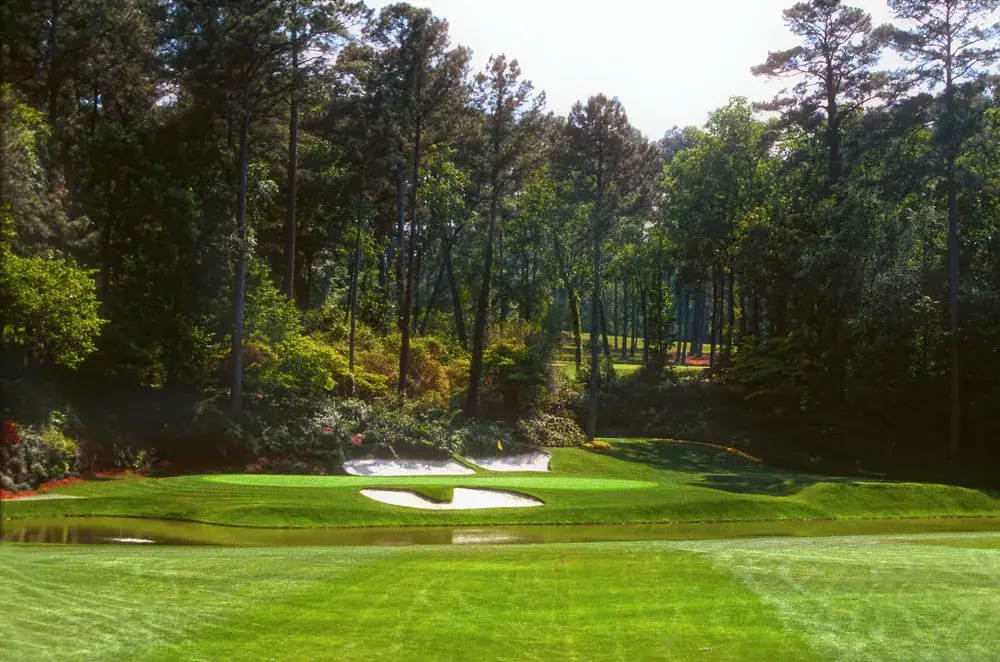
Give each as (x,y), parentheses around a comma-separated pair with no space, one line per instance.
(62,482)
(694,360)
(115,473)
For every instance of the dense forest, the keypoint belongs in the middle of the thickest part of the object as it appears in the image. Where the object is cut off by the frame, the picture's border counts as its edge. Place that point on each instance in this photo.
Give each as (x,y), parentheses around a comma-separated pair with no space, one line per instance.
(278,229)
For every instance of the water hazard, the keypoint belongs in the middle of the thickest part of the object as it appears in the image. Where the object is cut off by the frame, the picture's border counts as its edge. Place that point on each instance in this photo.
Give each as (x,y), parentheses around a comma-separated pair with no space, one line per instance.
(124,531)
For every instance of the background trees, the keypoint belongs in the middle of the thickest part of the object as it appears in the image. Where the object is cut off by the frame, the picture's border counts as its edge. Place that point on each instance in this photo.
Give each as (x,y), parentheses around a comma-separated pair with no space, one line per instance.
(326,200)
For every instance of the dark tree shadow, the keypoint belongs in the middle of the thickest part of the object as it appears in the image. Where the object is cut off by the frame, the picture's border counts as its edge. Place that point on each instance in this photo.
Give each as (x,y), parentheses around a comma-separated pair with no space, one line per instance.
(721,469)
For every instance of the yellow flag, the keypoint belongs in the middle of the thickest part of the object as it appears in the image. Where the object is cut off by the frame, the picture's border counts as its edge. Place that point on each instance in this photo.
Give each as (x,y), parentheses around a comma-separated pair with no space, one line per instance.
(499,446)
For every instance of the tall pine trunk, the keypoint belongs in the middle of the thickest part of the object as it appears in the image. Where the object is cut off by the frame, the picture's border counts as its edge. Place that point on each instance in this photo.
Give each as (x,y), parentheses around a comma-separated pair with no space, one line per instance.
(404,323)
(293,147)
(716,315)
(731,322)
(482,312)
(595,376)
(954,320)
(456,301)
(604,332)
(239,285)
(625,319)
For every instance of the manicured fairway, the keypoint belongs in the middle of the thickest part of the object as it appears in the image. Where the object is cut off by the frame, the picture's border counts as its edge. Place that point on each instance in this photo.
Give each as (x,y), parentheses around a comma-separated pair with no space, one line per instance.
(861,598)
(636,482)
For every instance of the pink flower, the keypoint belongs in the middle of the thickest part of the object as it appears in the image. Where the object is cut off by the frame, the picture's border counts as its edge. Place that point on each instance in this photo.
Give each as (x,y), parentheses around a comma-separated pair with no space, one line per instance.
(356,440)
(9,433)
(327,429)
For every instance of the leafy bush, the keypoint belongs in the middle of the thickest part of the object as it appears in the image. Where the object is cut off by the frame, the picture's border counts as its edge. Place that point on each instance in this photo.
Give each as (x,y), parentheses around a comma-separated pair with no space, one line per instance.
(139,460)
(482,437)
(780,375)
(299,367)
(28,459)
(550,430)
(516,370)
(411,430)
(386,427)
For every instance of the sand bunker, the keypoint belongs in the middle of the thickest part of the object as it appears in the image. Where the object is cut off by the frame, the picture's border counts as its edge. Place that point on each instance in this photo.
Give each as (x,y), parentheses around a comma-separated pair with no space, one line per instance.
(44,497)
(406,468)
(536,461)
(463,499)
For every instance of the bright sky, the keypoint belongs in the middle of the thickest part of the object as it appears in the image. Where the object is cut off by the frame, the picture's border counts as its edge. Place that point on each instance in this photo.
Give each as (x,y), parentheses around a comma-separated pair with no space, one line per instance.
(668,61)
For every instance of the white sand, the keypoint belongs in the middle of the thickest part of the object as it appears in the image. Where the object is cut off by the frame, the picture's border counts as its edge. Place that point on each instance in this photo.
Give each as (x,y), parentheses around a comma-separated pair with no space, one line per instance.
(46,497)
(464,499)
(481,537)
(536,461)
(406,468)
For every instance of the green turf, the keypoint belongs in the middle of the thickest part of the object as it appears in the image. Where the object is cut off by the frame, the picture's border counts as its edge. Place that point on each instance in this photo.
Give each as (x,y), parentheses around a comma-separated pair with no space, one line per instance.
(666,481)
(874,598)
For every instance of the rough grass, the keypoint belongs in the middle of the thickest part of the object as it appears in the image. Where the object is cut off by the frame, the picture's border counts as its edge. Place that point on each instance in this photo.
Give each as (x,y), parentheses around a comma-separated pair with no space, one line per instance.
(876,598)
(667,482)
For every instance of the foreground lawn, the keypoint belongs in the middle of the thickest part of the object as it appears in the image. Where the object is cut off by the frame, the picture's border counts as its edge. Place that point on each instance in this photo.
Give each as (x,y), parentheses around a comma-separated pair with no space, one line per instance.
(860,598)
(639,481)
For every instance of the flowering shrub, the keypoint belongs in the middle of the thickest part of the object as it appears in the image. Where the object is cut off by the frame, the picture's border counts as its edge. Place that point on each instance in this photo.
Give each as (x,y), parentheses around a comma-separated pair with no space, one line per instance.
(550,430)
(9,434)
(29,458)
(597,445)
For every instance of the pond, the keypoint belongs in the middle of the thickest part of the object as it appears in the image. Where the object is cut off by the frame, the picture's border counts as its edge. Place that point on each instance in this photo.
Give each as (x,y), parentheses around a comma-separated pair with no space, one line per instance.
(127,531)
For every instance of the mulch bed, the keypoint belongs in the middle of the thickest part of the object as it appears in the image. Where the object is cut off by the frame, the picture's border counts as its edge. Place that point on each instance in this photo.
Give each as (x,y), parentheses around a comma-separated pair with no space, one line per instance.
(62,482)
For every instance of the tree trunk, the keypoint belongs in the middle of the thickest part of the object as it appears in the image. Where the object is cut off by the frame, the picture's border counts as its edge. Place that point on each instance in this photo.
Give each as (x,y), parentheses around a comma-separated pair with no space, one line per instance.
(574,311)
(604,332)
(698,329)
(635,324)
(239,286)
(645,329)
(404,325)
(501,278)
(482,311)
(400,243)
(456,300)
(614,317)
(595,376)
(955,421)
(433,300)
(731,322)
(716,316)
(354,281)
(743,317)
(833,128)
(293,147)
(679,355)
(625,319)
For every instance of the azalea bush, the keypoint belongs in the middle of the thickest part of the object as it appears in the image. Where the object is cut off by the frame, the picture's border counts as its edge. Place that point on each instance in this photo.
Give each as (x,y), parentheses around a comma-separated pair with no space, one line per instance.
(550,430)
(30,457)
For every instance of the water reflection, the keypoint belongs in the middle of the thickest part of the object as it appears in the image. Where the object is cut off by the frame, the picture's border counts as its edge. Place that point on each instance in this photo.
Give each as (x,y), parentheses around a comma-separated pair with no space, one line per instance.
(122,531)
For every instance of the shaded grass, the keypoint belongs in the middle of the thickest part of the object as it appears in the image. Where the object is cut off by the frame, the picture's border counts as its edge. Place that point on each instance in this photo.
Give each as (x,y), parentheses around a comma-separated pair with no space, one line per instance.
(666,481)
(876,598)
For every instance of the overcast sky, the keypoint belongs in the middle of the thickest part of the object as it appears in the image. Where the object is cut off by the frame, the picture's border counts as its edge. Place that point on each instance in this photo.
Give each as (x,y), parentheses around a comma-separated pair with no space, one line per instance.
(669,61)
